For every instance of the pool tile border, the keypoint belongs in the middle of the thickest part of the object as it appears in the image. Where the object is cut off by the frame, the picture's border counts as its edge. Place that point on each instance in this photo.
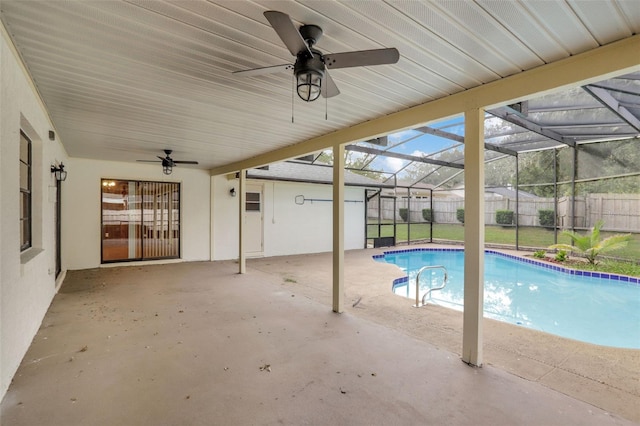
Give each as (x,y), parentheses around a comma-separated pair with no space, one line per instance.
(608,276)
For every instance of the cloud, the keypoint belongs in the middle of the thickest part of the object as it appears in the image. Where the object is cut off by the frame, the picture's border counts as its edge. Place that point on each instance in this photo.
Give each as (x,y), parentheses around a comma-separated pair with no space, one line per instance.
(394,138)
(394,164)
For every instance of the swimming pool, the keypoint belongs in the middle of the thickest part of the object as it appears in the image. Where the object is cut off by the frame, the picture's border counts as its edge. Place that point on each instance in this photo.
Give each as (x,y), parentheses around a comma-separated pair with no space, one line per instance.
(598,308)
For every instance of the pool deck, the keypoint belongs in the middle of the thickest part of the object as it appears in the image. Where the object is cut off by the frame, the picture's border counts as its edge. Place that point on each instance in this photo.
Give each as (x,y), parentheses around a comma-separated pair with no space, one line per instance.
(197,343)
(606,377)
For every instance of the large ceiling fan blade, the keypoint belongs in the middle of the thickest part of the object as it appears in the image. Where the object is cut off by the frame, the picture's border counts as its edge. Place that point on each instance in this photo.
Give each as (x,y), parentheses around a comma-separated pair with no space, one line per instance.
(263,70)
(362,58)
(149,161)
(287,32)
(329,88)
(185,162)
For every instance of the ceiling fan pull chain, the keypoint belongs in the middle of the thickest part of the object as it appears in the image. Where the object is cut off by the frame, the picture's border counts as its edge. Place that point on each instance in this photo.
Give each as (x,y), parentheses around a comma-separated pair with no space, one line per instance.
(326,108)
(293,89)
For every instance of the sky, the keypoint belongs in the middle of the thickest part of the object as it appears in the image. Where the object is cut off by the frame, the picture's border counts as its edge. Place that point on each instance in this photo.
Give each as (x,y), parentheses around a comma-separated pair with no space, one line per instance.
(423,144)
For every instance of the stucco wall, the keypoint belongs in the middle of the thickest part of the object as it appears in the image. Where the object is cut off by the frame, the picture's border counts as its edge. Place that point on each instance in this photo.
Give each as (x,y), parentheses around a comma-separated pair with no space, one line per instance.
(208,213)
(27,280)
(289,228)
(81,198)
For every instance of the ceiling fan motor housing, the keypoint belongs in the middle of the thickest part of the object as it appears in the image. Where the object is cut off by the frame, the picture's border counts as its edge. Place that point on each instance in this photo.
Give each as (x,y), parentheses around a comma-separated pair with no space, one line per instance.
(305,64)
(311,34)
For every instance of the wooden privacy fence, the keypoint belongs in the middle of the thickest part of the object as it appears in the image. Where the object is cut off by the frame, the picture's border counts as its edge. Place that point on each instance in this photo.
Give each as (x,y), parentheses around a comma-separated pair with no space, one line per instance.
(620,212)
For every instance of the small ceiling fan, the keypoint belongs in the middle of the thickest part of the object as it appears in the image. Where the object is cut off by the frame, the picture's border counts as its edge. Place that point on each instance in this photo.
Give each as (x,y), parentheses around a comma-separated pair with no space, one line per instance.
(167,162)
(310,67)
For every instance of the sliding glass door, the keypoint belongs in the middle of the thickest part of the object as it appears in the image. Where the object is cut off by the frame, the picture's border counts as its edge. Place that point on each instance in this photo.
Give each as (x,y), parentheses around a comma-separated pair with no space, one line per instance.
(140,220)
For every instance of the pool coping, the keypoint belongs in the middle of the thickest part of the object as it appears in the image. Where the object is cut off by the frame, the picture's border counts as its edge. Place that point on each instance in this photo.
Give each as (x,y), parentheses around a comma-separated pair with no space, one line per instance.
(562,269)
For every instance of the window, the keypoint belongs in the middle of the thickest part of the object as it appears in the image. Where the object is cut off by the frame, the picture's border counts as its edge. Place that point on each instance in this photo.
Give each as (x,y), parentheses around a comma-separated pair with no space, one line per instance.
(252,202)
(140,220)
(25,192)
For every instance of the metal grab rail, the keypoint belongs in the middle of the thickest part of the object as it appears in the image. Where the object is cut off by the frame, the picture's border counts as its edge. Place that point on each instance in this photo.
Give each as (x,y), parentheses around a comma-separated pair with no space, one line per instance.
(444,283)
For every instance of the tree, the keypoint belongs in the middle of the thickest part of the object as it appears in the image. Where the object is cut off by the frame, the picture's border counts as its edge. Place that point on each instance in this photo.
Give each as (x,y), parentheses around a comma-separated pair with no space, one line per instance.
(537,167)
(435,174)
(607,167)
(607,160)
(355,162)
(500,172)
(591,245)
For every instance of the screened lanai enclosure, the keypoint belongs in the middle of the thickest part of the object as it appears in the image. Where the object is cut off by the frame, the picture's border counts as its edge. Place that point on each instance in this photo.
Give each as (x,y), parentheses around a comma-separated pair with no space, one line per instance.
(560,161)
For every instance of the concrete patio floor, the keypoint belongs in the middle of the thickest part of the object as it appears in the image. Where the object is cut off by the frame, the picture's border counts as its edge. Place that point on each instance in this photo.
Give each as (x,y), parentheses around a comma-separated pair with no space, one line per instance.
(198,344)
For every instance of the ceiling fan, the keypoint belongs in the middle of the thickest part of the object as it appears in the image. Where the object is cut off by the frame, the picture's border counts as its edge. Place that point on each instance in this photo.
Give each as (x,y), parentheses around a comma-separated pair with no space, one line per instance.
(167,162)
(310,67)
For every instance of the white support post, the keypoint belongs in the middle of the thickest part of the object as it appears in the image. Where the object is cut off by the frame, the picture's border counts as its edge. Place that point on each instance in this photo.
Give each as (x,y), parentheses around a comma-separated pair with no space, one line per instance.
(338,228)
(473,236)
(242,191)
(212,201)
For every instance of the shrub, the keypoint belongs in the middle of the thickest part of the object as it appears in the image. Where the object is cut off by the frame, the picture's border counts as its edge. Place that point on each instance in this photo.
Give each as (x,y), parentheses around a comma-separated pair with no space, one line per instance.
(591,244)
(427,214)
(460,215)
(545,216)
(540,254)
(561,256)
(404,213)
(504,217)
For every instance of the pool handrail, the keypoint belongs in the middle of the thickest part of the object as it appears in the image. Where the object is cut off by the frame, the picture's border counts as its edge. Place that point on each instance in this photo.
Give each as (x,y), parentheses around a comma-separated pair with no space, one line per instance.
(444,283)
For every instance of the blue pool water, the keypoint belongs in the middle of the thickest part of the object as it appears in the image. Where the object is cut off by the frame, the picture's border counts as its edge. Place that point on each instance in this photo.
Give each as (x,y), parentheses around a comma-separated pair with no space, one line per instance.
(598,308)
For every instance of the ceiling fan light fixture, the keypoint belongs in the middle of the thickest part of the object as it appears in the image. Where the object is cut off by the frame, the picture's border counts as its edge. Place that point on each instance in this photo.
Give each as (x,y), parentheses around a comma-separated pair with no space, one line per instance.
(309,85)
(168,162)
(309,73)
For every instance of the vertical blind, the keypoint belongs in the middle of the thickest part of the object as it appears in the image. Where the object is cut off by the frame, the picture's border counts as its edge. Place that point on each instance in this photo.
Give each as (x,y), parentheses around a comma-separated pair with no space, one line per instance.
(140,220)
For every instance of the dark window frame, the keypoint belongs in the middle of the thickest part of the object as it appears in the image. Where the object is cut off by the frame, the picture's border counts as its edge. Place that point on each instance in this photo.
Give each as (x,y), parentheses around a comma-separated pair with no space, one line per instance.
(26,242)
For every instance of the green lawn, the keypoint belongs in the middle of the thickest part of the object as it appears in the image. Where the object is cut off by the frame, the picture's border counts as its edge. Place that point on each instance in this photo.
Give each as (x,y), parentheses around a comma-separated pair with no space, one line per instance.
(537,237)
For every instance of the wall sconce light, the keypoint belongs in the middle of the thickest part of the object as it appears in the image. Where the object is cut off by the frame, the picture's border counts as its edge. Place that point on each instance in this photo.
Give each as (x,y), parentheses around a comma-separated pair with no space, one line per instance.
(232,192)
(59,172)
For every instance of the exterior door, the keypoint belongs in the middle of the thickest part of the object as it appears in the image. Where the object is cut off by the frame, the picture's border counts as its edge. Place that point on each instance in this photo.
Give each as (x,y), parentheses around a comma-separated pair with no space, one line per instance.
(58,210)
(140,220)
(254,206)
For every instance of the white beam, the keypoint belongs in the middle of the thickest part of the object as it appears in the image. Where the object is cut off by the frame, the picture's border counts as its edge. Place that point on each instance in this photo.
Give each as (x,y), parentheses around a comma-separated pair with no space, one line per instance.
(242,195)
(473,236)
(338,228)
(594,65)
